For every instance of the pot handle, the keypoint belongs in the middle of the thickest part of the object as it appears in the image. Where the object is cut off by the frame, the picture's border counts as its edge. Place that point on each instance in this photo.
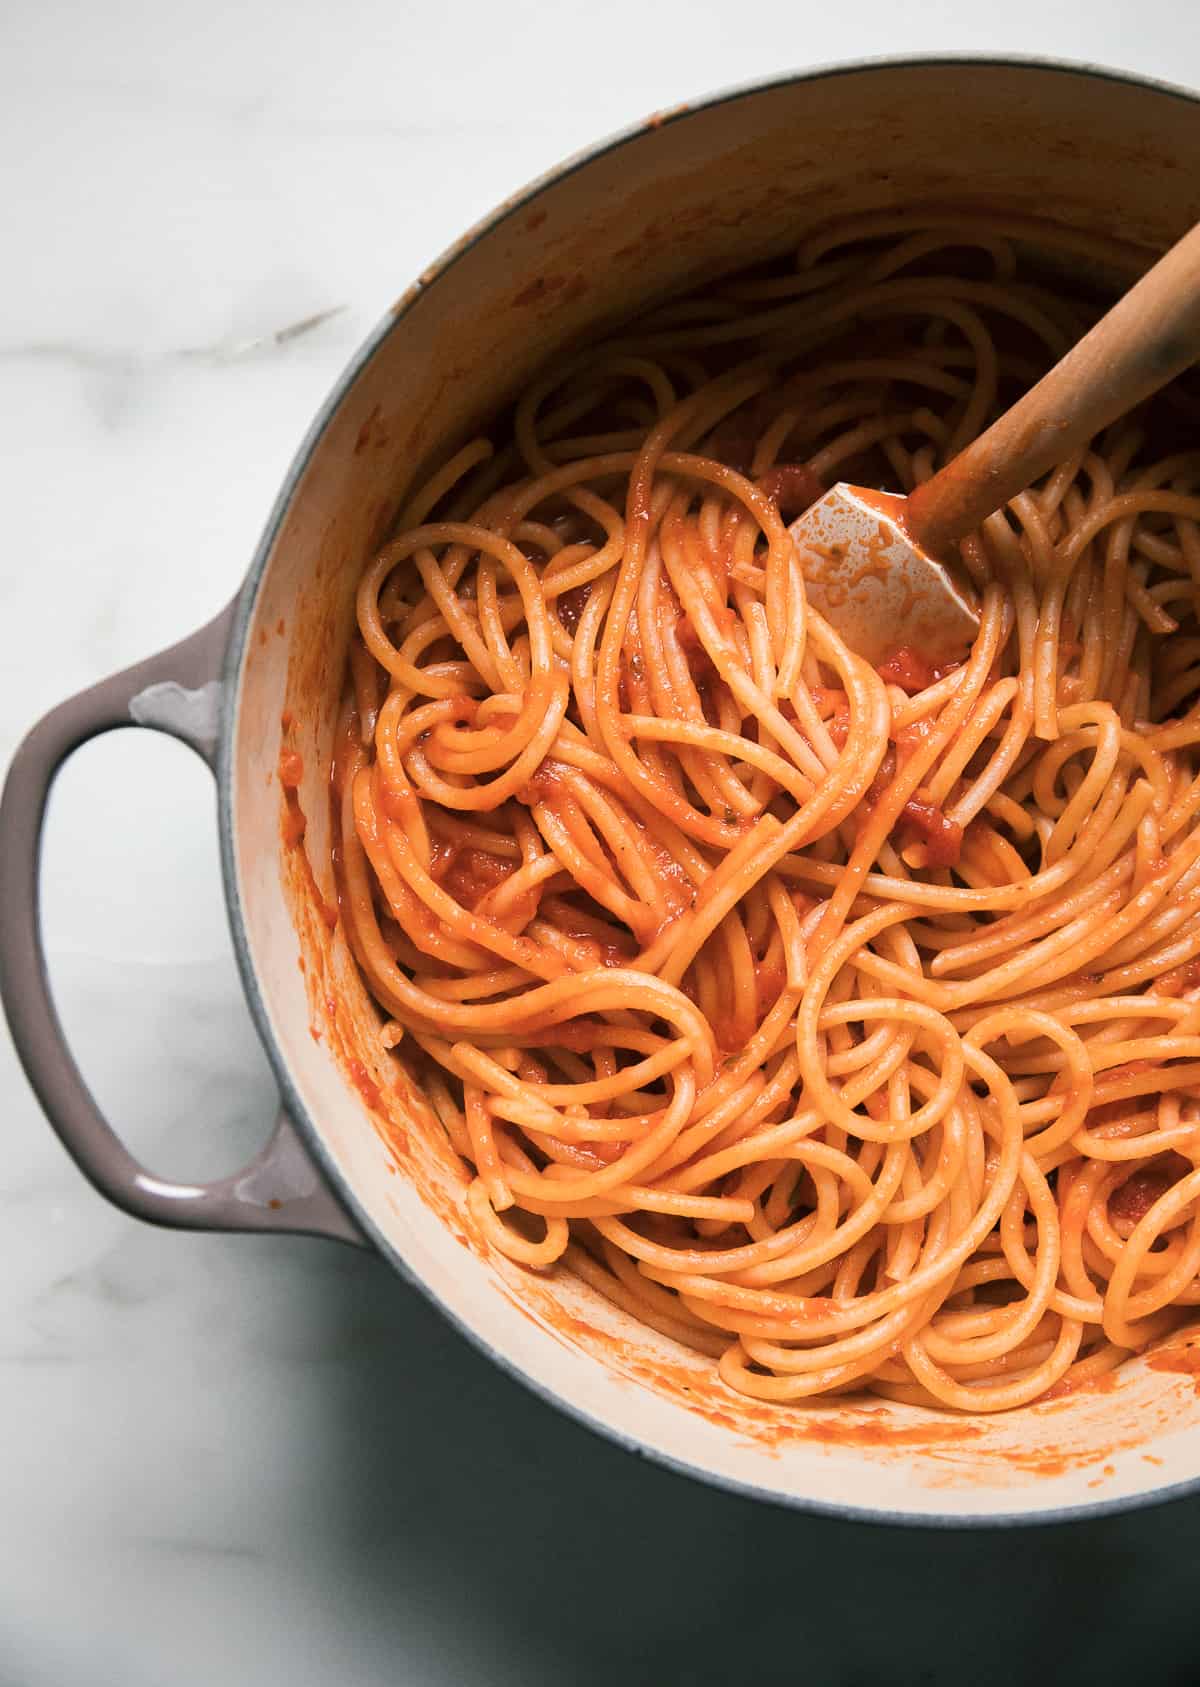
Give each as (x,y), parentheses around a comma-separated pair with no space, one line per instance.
(179,691)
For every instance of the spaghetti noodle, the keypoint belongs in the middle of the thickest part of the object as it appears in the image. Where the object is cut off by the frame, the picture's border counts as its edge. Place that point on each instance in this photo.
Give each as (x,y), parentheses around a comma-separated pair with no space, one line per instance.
(841,1023)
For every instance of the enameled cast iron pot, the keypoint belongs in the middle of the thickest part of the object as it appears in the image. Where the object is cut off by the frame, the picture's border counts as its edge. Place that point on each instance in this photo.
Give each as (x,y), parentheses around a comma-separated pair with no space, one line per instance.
(355,1155)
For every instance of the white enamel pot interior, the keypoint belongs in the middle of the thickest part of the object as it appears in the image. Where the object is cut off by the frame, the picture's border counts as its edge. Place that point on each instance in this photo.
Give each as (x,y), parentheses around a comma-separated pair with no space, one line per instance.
(696,192)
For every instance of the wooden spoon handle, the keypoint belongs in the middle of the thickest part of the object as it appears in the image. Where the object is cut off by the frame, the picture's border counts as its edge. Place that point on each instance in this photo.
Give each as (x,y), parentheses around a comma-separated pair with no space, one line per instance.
(1142,343)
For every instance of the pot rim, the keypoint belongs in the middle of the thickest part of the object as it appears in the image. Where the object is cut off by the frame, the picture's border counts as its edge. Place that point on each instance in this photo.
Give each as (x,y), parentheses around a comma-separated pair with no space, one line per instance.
(235,654)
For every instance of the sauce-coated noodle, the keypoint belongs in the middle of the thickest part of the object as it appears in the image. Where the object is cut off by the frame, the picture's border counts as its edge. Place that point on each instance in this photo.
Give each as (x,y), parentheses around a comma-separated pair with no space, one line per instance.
(843,1024)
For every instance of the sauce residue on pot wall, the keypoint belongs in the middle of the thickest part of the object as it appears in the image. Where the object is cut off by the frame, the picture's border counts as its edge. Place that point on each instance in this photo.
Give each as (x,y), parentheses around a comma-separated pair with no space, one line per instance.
(962,1450)
(294,827)
(1184,1361)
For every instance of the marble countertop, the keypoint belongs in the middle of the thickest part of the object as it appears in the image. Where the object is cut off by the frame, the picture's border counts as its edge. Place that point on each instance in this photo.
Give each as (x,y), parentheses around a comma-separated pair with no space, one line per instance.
(254,1461)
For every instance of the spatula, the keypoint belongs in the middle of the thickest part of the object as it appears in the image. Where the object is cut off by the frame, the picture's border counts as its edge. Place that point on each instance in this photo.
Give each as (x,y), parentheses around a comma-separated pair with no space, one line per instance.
(874,563)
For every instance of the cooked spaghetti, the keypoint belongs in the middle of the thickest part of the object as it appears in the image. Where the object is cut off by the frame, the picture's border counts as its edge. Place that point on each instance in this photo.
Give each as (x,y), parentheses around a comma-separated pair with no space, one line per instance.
(840,1023)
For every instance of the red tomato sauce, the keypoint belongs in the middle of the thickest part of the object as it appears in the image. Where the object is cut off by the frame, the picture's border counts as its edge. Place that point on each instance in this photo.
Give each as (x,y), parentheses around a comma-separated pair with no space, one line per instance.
(925,822)
(910,670)
(793,487)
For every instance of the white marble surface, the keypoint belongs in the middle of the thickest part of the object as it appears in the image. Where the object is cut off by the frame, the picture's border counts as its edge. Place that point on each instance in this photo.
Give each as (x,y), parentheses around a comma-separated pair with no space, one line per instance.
(264,1461)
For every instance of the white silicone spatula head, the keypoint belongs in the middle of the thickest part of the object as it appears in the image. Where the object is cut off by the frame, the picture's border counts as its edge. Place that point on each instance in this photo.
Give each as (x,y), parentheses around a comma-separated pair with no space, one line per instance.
(877,589)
